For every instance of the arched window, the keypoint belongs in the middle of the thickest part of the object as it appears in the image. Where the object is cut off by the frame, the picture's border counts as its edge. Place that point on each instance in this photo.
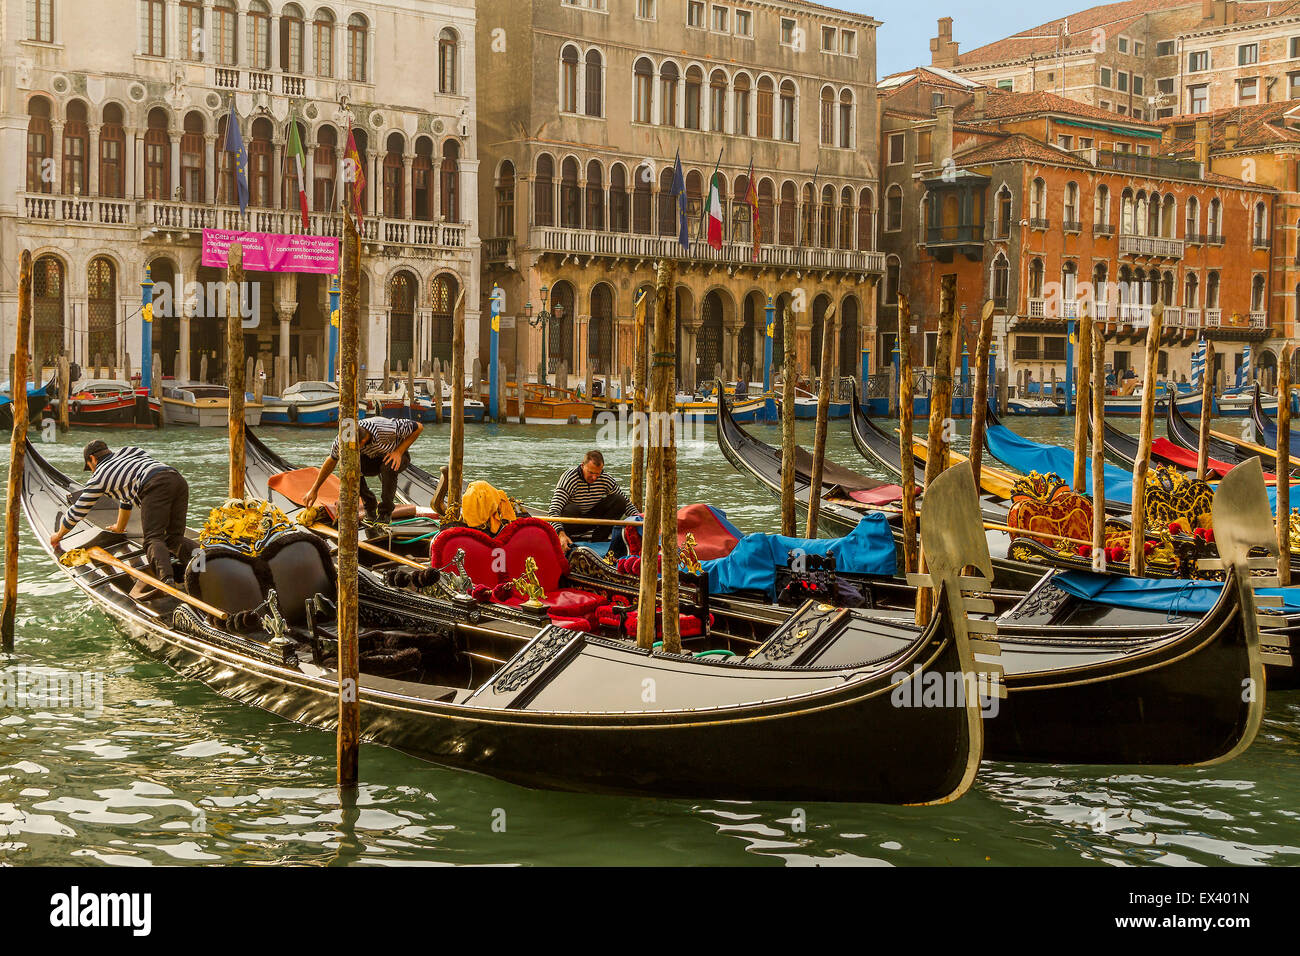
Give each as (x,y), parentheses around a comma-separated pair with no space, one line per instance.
(1140,213)
(1070,212)
(642,201)
(827,125)
(826,232)
(394,205)
(1101,206)
(544,191)
(112,141)
(595,211)
(594,94)
(1212,288)
(1191,291)
(846,119)
(191,29)
(866,220)
(1153,215)
(1001,282)
(358,36)
(766,211)
(325,162)
(449,186)
(618,217)
(668,77)
(157,156)
(193,159)
(75,136)
(1193,224)
(259,35)
(894,208)
(569,79)
(1257,293)
(225,28)
(1167,288)
(850,353)
(47,312)
(694,83)
(422,183)
(667,204)
(718,101)
(401,318)
(1038,200)
(506,200)
(101,309)
(1259,226)
(1036,279)
(291,34)
(893,279)
(1214,223)
(289,184)
(1126,212)
(808,217)
(261,155)
(741,87)
(442,299)
(846,218)
(322,42)
(40,20)
(789,211)
(600,332)
(40,178)
(643,83)
(153,27)
(694,203)
(1168,216)
(763,128)
(448,73)
(788,97)
(1069,283)
(1100,290)
(570,201)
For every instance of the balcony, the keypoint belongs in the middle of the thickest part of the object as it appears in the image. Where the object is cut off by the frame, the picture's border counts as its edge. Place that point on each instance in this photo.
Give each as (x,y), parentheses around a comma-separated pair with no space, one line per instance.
(1213,318)
(1213,239)
(1155,167)
(1072,225)
(1260,243)
(1258,320)
(499,249)
(1150,246)
(1040,223)
(965,238)
(548,239)
(225,79)
(1103,229)
(1191,318)
(1172,318)
(1194,238)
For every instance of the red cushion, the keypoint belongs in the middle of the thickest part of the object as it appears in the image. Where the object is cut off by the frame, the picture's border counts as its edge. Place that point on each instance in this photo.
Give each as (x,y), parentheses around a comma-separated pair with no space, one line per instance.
(494,560)
(687,625)
(567,601)
(481,549)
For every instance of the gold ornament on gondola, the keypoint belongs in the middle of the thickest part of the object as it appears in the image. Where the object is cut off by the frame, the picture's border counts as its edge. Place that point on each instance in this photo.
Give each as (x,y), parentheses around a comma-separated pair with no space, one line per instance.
(248,525)
(528,586)
(1293,534)
(74,558)
(689,559)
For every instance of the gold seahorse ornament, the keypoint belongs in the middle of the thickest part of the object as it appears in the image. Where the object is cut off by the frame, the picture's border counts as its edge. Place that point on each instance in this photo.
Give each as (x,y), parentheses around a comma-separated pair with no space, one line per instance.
(689,559)
(527,585)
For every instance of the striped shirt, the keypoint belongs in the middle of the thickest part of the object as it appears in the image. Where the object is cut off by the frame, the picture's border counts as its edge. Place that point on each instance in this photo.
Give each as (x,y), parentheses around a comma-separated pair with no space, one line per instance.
(121,475)
(574,488)
(385,435)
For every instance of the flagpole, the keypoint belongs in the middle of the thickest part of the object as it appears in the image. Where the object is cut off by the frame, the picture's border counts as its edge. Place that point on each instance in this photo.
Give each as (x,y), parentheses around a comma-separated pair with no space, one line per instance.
(704,200)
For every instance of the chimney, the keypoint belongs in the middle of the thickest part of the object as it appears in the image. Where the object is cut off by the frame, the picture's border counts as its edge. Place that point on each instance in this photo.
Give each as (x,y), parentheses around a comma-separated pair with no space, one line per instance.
(1202,140)
(1231,132)
(943,52)
(978,97)
(1220,13)
(941,144)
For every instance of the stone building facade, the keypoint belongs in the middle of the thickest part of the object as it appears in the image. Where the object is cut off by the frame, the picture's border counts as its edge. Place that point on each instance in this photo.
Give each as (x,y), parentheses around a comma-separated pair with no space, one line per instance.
(111,133)
(583,107)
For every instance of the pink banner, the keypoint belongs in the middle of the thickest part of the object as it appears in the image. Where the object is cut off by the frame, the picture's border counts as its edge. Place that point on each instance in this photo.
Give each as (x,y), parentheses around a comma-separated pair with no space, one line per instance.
(273,252)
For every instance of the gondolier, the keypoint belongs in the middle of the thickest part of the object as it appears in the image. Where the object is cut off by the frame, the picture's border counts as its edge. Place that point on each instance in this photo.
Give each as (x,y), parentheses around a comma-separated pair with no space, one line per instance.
(133,478)
(587,492)
(385,445)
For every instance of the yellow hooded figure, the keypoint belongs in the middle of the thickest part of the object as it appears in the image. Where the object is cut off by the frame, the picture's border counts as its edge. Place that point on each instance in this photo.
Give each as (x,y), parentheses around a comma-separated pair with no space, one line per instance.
(486,508)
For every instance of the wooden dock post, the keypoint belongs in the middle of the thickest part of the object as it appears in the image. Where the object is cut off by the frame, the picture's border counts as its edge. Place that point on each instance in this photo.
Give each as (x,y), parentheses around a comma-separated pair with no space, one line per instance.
(456,451)
(519,388)
(65,392)
(1283,478)
(938,441)
(641,360)
(906,409)
(259,382)
(437,391)
(1137,551)
(672,630)
(788,376)
(980,410)
(235,367)
(661,405)
(1082,399)
(17,451)
(825,386)
(1098,441)
(349,725)
(1207,412)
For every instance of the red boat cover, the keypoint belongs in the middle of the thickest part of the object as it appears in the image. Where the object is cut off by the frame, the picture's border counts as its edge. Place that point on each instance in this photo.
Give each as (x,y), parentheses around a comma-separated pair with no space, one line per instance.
(1164,448)
(713,537)
(883,495)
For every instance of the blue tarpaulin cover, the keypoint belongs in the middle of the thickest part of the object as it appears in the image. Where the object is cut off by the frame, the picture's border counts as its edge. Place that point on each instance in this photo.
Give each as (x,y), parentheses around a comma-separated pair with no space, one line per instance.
(1171,596)
(1027,455)
(867,549)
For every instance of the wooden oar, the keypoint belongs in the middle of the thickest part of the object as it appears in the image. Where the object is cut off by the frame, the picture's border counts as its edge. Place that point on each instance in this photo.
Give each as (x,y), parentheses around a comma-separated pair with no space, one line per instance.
(103,557)
(603,522)
(1251,446)
(367,546)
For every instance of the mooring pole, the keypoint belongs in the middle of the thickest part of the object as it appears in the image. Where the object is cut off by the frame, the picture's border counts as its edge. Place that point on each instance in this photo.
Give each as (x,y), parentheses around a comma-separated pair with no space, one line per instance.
(1207,412)
(938,442)
(661,406)
(1137,546)
(672,633)
(349,728)
(235,366)
(65,392)
(456,454)
(332,361)
(1082,384)
(146,331)
(17,450)
(979,412)
(1098,444)
(769,329)
(907,454)
(788,526)
(641,368)
(823,412)
(1283,477)
(494,352)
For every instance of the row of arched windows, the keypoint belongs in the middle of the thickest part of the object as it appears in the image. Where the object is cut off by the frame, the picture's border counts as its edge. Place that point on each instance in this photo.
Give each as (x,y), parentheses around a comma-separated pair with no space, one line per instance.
(664,95)
(49,288)
(1133,286)
(403,294)
(407,180)
(573,198)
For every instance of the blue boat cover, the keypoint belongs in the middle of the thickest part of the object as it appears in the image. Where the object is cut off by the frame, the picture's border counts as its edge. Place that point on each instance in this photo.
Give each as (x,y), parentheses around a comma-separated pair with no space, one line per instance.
(1027,455)
(1171,596)
(867,549)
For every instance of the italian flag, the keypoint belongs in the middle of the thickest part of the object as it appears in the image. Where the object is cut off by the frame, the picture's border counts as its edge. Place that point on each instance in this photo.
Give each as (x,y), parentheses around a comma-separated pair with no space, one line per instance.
(715,214)
(300,164)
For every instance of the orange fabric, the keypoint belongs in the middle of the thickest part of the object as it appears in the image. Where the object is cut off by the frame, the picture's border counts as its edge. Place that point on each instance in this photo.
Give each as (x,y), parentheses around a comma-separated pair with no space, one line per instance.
(294,485)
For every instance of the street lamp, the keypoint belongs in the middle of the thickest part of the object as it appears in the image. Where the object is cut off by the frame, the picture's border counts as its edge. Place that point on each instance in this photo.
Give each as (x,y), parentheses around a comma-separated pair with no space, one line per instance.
(542,320)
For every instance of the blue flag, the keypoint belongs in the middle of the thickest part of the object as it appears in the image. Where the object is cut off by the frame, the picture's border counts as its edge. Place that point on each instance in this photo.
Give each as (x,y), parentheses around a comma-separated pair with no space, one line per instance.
(235,144)
(679,190)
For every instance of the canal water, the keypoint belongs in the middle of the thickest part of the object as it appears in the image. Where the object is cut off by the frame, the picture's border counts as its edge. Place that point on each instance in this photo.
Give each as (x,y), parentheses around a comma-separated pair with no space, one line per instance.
(162,770)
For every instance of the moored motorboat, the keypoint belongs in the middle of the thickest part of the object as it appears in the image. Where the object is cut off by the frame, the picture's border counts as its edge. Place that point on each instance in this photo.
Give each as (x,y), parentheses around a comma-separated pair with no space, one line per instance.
(38,397)
(207,406)
(547,405)
(109,403)
(304,404)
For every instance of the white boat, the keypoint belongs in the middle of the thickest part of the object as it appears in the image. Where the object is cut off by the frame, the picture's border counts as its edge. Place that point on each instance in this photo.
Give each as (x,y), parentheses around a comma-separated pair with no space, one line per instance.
(208,406)
(304,403)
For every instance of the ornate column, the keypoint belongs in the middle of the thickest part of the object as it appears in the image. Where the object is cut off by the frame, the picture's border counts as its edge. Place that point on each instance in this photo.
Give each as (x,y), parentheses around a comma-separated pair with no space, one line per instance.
(730,349)
(134,159)
(92,159)
(211,175)
(176,163)
(408,187)
(57,134)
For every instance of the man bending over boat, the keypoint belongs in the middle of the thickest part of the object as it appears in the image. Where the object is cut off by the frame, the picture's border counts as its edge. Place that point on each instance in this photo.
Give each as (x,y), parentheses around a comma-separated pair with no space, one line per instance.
(133,478)
(587,492)
(385,444)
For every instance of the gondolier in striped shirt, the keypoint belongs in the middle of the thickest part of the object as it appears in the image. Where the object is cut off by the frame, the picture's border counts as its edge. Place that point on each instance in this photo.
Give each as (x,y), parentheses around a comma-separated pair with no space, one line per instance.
(385,451)
(587,492)
(133,478)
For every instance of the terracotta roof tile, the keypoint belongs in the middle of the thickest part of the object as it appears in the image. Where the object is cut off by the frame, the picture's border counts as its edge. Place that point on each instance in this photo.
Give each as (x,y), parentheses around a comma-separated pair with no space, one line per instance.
(1003,105)
(1017,146)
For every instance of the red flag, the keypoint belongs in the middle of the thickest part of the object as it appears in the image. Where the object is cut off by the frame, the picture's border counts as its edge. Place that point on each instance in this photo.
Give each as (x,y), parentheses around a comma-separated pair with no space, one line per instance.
(751,197)
(354,174)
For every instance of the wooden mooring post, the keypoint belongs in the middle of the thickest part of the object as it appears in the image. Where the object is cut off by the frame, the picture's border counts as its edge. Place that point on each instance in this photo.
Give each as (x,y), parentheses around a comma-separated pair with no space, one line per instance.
(456,452)
(906,407)
(980,410)
(1137,561)
(661,405)
(17,451)
(641,360)
(235,367)
(938,441)
(1207,413)
(1283,479)
(823,411)
(1082,401)
(1098,346)
(788,376)
(349,723)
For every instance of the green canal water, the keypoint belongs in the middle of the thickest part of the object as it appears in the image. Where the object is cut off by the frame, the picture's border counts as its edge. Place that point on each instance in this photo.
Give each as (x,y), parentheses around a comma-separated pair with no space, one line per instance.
(168,772)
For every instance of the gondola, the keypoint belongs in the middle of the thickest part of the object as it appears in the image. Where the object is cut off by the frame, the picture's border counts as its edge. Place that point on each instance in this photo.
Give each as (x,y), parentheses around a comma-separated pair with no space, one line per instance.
(1266,428)
(1123,448)
(562,709)
(37,399)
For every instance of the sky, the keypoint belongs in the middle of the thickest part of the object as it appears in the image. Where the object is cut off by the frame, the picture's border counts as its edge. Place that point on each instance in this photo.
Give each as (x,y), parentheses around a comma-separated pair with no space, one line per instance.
(903,40)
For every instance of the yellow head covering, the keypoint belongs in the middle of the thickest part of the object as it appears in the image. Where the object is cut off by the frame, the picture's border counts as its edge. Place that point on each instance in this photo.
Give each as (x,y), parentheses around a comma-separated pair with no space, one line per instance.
(485,507)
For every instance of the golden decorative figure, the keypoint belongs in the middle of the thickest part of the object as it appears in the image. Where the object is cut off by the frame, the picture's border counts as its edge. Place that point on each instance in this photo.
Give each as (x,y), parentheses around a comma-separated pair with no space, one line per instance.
(527,585)
(1294,534)
(691,560)
(248,524)
(74,558)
